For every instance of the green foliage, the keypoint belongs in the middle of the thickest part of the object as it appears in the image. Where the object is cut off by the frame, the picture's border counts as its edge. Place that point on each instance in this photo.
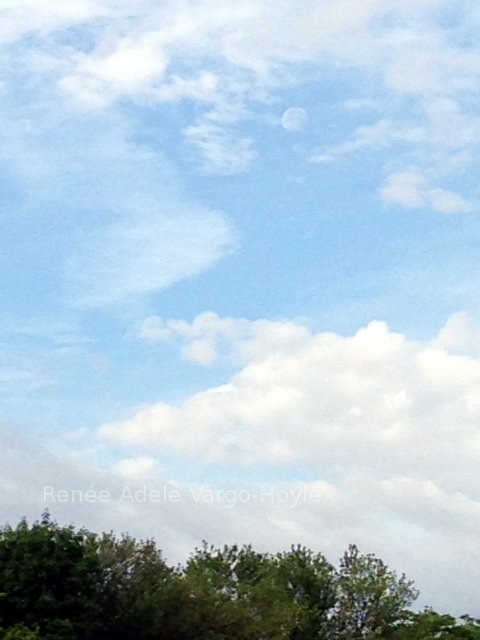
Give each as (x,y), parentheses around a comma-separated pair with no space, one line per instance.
(237,594)
(50,578)
(430,625)
(309,581)
(141,595)
(19,632)
(58,583)
(370,597)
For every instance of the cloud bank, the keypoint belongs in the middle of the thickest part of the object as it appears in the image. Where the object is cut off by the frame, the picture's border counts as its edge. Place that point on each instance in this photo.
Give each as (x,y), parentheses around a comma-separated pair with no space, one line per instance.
(376,435)
(388,425)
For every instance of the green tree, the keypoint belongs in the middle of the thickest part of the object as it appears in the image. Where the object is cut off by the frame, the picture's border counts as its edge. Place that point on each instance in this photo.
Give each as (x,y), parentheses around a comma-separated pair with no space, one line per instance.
(58,583)
(49,578)
(142,597)
(19,632)
(309,581)
(238,594)
(370,597)
(430,625)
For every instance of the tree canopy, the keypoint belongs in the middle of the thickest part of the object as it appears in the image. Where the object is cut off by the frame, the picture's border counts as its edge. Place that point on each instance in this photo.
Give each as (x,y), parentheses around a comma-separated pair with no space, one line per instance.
(59,583)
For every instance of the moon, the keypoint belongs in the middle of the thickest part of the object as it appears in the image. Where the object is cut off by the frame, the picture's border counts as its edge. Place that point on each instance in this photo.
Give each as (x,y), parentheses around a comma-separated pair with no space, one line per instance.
(294,119)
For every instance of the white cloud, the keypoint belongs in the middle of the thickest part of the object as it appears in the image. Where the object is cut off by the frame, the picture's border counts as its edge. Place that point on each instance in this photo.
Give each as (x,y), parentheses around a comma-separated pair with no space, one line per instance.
(389,425)
(405,188)
(23,17)
(244,52)
(124,229)
(409,522)
(25,381)
(410,189)
(209,337)
(380,135)
(361,104)
(220,151)
(128,68)
(137,469)
(202,87)
(449,126)
(374,400)
(460,335)
(140,256)
(384,427)
(448,202)
(377,135)
(431,67)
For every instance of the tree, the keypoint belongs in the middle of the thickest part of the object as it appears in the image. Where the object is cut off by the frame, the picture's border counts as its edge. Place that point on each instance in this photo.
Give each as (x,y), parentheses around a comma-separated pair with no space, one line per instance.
(430,625)
(309,581)
(370,597)
(19,632)
(58,583)
(141,596)
(49,578)
(237,594)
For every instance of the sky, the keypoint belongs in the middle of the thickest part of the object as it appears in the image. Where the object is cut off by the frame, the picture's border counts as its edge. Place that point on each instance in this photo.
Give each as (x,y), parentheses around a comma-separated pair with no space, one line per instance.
(239,276)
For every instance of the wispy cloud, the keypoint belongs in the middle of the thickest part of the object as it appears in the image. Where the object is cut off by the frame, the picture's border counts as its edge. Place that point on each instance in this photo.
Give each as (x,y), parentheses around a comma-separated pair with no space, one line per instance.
(118,225)
(245,52)
(380,135)
(411,190)
(220,151)
(144,254)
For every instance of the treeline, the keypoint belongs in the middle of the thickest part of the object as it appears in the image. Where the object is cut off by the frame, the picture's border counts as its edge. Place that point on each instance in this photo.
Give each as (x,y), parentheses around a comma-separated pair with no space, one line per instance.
(60,583)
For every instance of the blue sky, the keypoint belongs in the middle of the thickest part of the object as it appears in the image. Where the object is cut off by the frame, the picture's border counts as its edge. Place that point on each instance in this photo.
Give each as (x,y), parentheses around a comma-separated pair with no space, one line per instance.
(239,246)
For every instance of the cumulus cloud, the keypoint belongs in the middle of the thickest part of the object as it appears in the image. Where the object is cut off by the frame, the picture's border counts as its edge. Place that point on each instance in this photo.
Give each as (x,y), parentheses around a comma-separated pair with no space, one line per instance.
(441,137)
(389,424)
(377,433)
(209,337)
(460,335)
(127,69)
(374,400)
